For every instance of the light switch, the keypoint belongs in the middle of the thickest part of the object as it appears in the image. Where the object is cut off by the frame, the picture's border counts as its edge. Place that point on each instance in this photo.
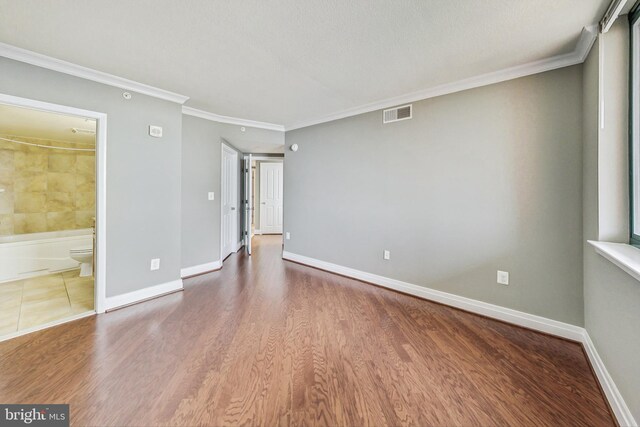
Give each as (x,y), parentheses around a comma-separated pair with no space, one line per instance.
(211,195)
(155,264)
(503,277)
(386,255)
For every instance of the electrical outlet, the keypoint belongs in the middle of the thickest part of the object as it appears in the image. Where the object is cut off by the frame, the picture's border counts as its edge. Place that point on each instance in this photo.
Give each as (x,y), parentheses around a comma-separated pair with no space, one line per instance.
(211,195)
(155,264)
(287,235)
(503,277)
(155,131)
(386,255)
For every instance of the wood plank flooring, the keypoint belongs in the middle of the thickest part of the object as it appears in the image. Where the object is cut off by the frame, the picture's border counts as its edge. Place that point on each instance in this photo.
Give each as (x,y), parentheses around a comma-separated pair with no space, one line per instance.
(269,342)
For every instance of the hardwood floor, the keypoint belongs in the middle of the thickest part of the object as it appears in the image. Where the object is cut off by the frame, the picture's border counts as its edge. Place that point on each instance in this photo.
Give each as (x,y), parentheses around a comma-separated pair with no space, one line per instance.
(268,342)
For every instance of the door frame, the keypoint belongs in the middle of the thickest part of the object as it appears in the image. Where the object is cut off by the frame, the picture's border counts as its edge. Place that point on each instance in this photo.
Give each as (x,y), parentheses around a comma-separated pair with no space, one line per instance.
(271,160)
(225,147)
(100,287)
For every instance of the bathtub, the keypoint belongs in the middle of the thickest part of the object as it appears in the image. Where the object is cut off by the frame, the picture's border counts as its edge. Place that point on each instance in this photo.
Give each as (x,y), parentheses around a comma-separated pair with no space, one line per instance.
(28,255)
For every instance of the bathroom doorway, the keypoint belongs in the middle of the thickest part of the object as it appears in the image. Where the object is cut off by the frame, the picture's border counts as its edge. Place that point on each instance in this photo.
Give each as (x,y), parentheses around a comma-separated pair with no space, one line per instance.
(48,215)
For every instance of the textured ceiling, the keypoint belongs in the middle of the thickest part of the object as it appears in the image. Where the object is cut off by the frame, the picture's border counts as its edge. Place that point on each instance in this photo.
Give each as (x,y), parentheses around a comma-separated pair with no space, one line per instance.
(18,121)
(290,61)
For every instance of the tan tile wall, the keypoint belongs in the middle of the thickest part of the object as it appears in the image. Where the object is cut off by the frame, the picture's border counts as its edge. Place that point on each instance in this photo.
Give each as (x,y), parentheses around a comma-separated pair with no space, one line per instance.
(45,189)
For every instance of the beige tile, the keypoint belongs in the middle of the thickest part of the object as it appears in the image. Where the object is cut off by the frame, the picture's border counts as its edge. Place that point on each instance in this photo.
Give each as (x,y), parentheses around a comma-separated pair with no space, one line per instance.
(6,160)
(84,219)
(83,307)
(7,179)
(85,201)
(7,203)
(6,224)
(61,182)
(30,202)
(62,162)
(10,295)
(70,274)
(9,320)
(29,223)
(61,221)
(60,202)
(43,288)
(30,161)
(30,181)
(86,165)
(85,183)
(44,311)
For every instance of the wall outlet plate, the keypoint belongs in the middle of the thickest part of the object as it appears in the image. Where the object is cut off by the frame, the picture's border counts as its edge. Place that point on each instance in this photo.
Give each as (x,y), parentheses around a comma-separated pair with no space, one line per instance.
(155,131)
(211,195)
(287,235)
(503,277)
(386,255)
(155,264)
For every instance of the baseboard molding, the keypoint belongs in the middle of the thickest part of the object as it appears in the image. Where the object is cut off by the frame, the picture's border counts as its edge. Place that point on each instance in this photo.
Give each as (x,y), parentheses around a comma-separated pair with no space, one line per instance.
(616,401)
(257,232)
(530,321)
(134,297)
(200,269)
(516,317)
(238,246)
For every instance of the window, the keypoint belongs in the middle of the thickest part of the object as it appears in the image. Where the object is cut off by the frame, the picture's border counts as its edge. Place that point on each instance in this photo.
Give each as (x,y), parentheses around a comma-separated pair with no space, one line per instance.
(634,125)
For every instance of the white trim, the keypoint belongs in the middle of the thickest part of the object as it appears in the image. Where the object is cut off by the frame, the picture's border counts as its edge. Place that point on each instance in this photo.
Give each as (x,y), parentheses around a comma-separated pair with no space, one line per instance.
(578,56)
(47,325)
(101,182)
(537,323)
(520,318)
(224,146)
(65,67)
(238,246)
(616,401)
(143,294)
(200,268)
(257,232)
(625,256)
(189,111)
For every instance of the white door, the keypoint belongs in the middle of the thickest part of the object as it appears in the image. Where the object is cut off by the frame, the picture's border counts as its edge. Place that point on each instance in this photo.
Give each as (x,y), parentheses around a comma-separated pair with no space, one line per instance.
(271,198)
(248,203)
(229,199)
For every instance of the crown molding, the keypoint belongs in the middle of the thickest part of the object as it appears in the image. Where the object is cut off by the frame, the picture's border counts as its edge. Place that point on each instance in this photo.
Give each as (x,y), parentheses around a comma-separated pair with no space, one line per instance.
(43,61)
(579,54)
(231,120)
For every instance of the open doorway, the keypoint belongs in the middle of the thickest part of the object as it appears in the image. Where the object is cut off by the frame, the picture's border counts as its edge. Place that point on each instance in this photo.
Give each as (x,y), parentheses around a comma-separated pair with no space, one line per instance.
(48,214)
(263,197)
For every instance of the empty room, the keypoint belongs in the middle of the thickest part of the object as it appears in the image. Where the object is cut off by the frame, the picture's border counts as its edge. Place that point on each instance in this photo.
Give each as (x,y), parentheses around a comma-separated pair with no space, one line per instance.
(320,213)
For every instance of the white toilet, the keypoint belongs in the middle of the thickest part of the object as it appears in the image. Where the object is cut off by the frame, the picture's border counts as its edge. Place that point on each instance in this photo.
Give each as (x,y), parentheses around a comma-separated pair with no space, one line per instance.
(84,256)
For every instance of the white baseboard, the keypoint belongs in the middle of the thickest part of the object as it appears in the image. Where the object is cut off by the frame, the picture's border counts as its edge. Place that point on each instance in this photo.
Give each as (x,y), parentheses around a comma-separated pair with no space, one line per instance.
(200,268)
(257,232)
(238,245)
(119,301)
(538,323)
(520,318)
(616,401)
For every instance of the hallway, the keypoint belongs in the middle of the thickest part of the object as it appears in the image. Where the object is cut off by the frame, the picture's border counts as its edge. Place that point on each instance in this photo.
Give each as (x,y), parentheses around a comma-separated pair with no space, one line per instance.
(268,342)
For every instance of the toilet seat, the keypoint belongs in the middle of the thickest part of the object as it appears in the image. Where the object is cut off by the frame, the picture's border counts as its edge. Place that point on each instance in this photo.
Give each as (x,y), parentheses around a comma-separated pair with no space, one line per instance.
(84,250)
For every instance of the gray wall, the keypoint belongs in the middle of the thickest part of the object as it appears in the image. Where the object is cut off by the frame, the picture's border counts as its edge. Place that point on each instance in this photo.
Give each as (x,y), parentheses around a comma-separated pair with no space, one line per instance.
(611,296)
(143,173)
(201,158)
(481,180)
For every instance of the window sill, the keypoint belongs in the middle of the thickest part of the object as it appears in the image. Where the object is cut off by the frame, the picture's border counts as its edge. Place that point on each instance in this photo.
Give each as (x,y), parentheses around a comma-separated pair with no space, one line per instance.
(625,256)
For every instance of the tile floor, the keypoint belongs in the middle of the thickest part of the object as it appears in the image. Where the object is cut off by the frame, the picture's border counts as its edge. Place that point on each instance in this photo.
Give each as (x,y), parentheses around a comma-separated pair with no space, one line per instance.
(38,300)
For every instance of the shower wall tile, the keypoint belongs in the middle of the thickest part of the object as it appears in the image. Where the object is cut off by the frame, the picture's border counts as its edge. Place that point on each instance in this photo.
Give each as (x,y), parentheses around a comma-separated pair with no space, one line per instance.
(30,223)
(31,202)
(45,189)
(84,219)
(61,182)
(62,162)
(30,161)
(60,202)
(61,221)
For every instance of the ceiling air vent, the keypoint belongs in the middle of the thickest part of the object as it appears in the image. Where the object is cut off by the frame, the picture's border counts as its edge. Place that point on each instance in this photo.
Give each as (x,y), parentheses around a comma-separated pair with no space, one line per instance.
(396,114)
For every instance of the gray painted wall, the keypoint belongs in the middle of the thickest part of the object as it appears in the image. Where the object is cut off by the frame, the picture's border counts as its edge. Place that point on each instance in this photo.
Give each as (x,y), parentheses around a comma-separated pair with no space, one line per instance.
(611,296)
(201,158)
(143,173)
(481,180)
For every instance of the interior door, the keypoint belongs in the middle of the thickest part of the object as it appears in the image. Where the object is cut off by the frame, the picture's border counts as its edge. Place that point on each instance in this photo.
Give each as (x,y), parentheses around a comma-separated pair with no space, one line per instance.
(248,203)
(271,198)
(228,201)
